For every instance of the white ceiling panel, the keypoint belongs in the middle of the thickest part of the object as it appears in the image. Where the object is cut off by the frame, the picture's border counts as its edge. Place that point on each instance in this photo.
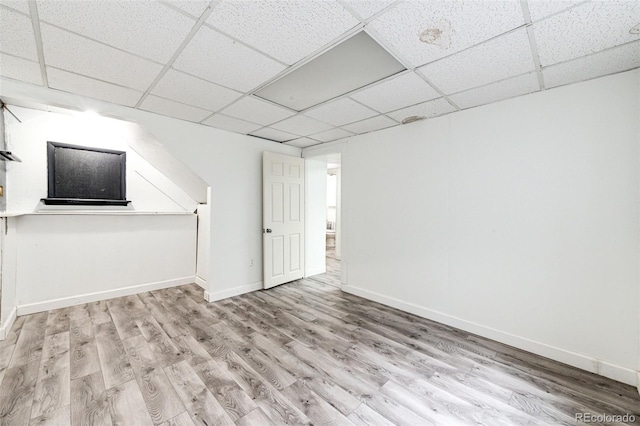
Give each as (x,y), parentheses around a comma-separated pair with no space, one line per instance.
(192,7)
(608,62)
(231,124)
(91,88)
(331,135)
(21,5)
(301,125)
(370,124)
(20,69)
(540,9)
(70,52)
(397,92)
(586,29)
(274,135)
(302,142)
(146,28)
(286,30)
(257,111)
(217,58)
(173,109)
(500,58)
(16,35)
(495,92)
(340,112)
(423,31)
(190,90)
(427,109)
(367,8)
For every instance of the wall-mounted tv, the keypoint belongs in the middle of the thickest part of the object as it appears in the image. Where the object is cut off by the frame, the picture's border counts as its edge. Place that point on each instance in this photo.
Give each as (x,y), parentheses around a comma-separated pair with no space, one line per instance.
(85,176)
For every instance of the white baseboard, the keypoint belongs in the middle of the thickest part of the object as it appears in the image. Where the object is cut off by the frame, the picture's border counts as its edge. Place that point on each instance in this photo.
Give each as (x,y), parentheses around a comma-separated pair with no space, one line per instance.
(236,291)
(593,365)
(4,330)
(312,272)
(201,282)
(65,302)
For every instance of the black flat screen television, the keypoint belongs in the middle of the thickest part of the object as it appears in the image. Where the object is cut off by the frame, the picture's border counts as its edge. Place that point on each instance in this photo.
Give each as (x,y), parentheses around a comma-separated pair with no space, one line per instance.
(85,176)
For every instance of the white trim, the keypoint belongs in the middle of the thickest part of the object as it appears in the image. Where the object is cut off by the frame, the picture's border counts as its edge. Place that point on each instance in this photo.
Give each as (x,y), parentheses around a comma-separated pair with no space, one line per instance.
(65,302)
(317,271)
(201,282)
(4,330)
(235,291)
(593,365)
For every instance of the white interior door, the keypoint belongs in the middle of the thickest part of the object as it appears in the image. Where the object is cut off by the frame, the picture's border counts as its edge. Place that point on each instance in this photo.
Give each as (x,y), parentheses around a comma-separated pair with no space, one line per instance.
(283,218)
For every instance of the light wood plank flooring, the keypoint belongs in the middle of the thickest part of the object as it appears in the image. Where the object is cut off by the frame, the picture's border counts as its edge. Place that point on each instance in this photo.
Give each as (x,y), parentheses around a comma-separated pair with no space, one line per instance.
(301,353)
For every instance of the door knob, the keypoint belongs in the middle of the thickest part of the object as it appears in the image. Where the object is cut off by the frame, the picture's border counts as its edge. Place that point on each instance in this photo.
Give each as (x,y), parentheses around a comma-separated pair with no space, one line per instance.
(268,231)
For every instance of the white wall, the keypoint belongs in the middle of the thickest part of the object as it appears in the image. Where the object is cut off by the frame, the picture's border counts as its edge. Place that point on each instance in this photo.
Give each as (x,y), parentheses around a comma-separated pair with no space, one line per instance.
(517,221)
(315,216)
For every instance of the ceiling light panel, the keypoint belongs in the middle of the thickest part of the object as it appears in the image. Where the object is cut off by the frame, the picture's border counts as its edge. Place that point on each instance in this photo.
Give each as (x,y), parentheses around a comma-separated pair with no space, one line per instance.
(354,63)
(173,109)
(498,91)
(302,142)
(397,92)
(257,111)
(586,29)
(20,5)
(331,135)
(367,8)
(286,30)
(16,35)
(148,29)
(20,69)
(231,124)
(619,59)
(423,31)
(301,125)
(503,57)
(91,88)
(219,59)
(370,124)
(194,91)
(193,7)
(71,52)
(340,112)
(427,110)
(540,9)
(274,135)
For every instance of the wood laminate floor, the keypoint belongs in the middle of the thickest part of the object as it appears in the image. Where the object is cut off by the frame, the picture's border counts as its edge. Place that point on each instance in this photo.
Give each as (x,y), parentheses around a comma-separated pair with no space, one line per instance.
(301,353)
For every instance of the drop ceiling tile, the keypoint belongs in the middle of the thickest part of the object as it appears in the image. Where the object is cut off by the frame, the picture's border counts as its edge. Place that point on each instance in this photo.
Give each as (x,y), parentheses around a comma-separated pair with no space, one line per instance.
(446,26)
(397,92)
(192,7)
(340,112)
(427,110)
(16,35)
(540,9)
(331,135)
(301,125)
(585,29)
(173,109)
(191,90)
(273,134)
(257,111)
(231,124)
(91,88)
(70,52)
(503,57)
(367,8)
(219,59)
(302,142)
(498,91)
(148,29)
(286,30)
(20,69)
(20,5)
(370,124)
(619,59)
